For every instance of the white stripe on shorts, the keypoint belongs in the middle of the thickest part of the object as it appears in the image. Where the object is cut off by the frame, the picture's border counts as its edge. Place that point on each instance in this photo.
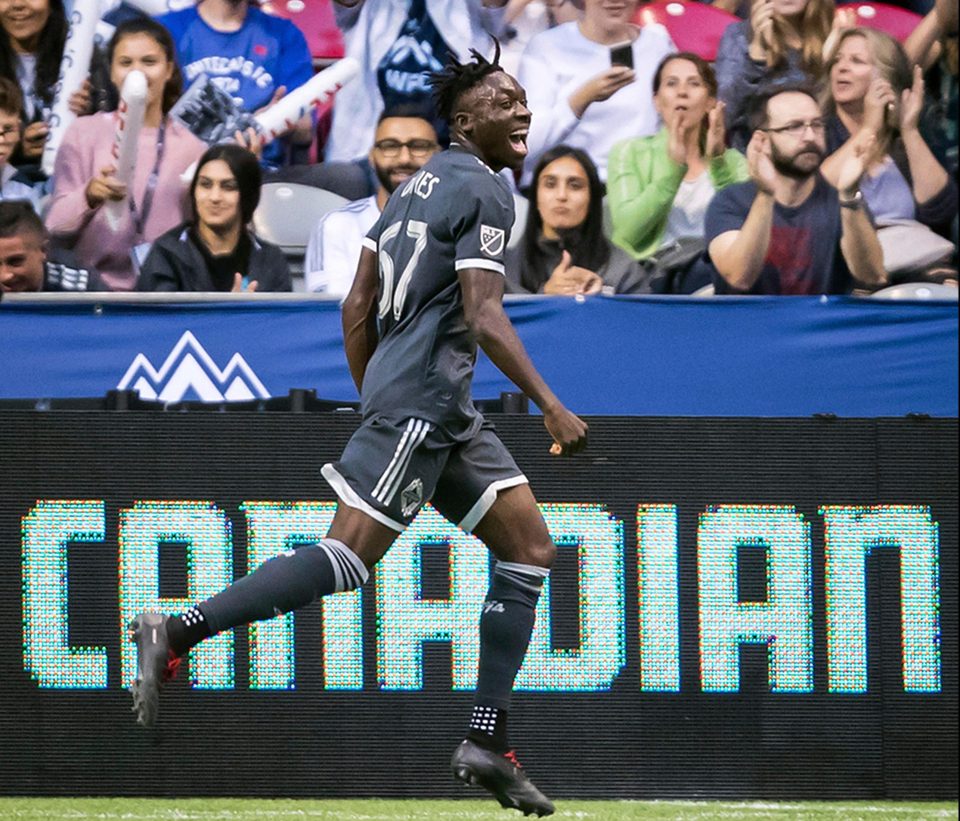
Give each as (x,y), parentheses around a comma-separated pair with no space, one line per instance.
(416,431)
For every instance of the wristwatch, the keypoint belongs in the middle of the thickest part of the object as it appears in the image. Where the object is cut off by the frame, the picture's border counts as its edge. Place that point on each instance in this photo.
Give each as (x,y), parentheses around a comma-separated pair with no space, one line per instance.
(855,202)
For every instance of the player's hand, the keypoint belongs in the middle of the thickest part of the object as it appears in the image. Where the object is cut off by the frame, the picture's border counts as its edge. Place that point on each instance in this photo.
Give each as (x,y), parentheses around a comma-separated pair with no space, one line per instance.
(601,87)
(716,131)
(33,138)
(568,430)
(105,187)
(238,285)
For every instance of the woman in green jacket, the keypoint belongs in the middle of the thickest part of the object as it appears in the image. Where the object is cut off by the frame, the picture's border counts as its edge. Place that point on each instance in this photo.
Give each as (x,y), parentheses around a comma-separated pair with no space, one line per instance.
(658,187)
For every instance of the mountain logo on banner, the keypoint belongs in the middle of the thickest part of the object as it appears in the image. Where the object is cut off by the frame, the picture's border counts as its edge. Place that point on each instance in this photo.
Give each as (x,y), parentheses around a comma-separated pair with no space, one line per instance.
(189,369)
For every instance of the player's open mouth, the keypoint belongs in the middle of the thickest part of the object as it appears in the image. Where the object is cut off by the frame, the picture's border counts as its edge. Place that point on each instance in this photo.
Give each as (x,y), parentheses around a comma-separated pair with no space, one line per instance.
(518,141)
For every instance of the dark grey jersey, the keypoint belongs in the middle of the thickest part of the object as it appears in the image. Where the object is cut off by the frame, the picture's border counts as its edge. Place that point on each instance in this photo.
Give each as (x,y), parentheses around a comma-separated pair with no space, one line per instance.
(454,213)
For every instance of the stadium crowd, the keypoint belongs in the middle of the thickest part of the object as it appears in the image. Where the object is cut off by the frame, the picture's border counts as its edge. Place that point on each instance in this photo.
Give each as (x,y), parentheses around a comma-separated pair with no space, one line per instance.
(803,153)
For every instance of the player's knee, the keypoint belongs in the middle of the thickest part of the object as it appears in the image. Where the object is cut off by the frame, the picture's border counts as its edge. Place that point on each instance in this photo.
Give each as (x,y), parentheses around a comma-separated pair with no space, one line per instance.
(540,553)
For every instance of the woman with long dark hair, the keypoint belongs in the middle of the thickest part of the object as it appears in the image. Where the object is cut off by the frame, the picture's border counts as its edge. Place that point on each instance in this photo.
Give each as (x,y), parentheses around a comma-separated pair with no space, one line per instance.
(32,38)
(84,173)
(564,250)
(216,250)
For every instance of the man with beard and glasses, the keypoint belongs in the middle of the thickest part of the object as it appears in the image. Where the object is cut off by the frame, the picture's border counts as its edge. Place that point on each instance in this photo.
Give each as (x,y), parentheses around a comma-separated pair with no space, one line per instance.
(404,140)
(428,292)
(787,230)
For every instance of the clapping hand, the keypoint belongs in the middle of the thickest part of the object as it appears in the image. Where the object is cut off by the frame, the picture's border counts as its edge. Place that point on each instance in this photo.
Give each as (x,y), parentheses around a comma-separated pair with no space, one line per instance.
(760,163)
(911,102)
(854,166)
(716,131)
(679,131)
(761,24)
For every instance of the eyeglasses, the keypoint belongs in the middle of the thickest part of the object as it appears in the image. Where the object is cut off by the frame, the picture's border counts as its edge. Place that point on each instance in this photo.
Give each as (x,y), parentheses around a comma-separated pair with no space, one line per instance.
(417,148)
(9,132)
(798,128)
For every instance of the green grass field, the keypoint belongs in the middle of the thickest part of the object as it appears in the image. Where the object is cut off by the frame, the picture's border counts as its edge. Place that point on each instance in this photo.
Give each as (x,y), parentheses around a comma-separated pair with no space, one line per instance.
(231,809)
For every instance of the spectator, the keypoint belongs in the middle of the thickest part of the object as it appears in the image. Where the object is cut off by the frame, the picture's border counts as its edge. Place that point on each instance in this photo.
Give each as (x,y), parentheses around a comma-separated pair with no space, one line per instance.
(659,187)
(24,266)
(398,43)
(782,43)
(84,172)
(32,36)
(253,56)
(215,250)
(403,142)
(524,19)
(874,97)
(563,249)
(12,187)
(786,231)
(577,97)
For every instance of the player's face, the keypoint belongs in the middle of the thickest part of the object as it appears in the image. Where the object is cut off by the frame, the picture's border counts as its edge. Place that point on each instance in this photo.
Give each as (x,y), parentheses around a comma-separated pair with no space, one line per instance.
(853,71)
(217,196)
(682,92)
(401,146)
(141,52)
(797,156)
(563,196)
(21,264)
(499,121)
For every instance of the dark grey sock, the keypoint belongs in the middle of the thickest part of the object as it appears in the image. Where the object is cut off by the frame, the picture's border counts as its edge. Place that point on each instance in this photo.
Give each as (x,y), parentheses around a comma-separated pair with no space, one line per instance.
(287,581)
(505,627)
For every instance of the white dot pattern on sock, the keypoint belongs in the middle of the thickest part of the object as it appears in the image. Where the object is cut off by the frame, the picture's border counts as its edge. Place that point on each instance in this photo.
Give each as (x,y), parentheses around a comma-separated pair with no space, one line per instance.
(192,616)
(484,719)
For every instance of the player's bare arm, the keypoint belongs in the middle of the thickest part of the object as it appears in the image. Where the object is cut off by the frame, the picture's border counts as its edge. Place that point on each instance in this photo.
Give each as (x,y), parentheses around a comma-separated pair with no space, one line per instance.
(359,316)
(483,310)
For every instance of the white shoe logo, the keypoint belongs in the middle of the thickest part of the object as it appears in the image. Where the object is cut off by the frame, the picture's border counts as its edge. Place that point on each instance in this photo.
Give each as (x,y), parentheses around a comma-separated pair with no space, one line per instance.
(188,367)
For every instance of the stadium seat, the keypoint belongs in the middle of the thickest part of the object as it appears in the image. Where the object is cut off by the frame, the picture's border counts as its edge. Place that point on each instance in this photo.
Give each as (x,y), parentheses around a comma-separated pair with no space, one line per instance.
(918,290)
(695,27)
(315,19)
(287,214)
(894,20)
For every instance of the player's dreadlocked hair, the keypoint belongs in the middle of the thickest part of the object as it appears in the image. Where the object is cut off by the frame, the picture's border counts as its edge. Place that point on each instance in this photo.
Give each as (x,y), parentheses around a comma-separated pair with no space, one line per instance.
(456,78)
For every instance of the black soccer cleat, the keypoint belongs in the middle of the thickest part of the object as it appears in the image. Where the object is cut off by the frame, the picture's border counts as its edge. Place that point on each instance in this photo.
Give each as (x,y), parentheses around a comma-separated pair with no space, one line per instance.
(156,664)
(502,776)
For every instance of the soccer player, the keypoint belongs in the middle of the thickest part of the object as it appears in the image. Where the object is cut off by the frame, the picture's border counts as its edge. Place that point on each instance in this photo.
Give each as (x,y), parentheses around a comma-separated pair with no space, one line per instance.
(428,290)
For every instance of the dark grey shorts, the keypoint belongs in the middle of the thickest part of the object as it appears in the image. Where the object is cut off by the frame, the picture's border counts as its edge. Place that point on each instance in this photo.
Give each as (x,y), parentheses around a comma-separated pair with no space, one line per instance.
(390,469)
